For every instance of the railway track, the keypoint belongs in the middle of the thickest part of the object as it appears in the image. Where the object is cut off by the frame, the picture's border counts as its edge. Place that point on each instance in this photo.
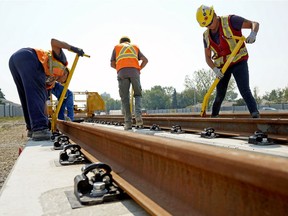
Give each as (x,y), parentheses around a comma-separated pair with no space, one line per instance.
(176,177)
(274,125)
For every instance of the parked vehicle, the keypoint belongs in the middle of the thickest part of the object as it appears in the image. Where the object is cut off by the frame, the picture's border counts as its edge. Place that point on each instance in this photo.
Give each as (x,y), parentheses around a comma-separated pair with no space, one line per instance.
(268,108)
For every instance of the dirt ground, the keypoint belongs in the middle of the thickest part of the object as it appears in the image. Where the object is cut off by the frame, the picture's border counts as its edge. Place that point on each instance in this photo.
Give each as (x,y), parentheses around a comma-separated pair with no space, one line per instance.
(13,136)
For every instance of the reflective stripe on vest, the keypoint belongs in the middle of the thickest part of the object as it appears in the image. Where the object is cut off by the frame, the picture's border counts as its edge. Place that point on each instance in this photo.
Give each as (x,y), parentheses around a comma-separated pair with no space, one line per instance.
(52,67)
(126,56)
(225,32)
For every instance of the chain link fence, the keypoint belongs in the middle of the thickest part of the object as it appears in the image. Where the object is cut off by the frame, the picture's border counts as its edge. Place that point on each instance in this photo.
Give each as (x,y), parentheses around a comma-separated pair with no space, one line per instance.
(283,107)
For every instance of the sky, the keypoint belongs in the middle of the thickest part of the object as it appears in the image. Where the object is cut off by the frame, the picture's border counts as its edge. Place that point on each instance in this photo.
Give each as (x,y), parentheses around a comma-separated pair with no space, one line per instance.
(166,32)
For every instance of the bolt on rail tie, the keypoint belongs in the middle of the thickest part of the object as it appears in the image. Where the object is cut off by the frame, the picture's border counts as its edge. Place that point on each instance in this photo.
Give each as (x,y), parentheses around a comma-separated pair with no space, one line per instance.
(95,185)
(176,129)
(55,135)
(155,127)
(61,141)
(117,123)
(208,133)
(71,154)
(260,138)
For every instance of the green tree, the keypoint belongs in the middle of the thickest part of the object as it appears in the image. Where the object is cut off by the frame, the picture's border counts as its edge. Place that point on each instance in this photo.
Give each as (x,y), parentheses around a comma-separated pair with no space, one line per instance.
(271,96)
(256,95)
(240,102)
(285,96)
(2,96)
(156,98)
(186,98)
(174,100)
(110,103)
(202,81)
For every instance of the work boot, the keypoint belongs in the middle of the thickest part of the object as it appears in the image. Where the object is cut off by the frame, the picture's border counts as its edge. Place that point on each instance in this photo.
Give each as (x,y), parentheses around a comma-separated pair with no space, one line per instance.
(255,115)
(139,121)
(67,118)
(128,126)
(41,135)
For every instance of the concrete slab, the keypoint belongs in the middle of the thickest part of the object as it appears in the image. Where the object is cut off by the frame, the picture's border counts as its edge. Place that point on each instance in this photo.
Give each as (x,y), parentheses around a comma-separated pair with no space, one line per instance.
(38,185)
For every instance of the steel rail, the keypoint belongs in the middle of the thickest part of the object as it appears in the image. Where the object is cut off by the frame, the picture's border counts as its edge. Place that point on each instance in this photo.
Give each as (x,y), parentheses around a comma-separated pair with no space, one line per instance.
(276,128)
(187,178)
(149,205)
(265,114)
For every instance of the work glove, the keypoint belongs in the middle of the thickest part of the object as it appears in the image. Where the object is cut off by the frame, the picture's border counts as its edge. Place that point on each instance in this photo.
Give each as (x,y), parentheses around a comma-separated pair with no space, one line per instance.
(79,51)
(218,73)
(251,38)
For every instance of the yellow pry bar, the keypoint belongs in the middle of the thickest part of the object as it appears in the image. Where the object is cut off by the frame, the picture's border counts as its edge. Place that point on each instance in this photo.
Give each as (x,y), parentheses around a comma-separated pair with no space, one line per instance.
(224,68)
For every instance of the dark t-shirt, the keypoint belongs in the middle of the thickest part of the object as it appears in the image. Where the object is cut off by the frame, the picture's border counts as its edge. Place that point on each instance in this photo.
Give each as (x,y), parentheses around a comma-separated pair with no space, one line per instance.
(61,57)
(236,23)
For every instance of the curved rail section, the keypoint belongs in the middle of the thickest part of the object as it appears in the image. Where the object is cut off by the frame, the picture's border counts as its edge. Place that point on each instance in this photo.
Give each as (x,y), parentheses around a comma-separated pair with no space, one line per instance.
(186,178)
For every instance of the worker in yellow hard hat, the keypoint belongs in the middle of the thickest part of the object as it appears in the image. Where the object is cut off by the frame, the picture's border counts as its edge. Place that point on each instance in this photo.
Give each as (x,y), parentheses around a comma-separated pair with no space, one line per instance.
(218,45)
(205,15)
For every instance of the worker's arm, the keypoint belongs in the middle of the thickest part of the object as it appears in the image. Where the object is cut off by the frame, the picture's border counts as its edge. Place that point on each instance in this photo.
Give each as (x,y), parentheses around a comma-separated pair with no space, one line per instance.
(211,64)
(208,58)
(113,59)
(113,64)
(58,45)
(144,61)
(254,26)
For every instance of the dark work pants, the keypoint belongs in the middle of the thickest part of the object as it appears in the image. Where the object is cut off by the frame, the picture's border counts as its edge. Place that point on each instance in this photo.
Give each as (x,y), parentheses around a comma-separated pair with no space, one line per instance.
(241,74)
(29,77)
(124,83)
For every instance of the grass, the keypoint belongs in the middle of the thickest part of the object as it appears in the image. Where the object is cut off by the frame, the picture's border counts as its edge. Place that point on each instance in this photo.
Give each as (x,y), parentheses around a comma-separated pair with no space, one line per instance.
(17,118)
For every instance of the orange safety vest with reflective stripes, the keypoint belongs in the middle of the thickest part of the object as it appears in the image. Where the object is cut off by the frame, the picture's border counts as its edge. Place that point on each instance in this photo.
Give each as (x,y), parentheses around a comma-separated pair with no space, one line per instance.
(126,56)
(222,51)
(52,67)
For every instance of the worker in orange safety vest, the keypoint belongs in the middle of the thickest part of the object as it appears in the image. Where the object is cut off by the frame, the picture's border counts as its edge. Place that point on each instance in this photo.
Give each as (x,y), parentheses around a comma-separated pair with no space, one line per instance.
(34,71)
(125,59)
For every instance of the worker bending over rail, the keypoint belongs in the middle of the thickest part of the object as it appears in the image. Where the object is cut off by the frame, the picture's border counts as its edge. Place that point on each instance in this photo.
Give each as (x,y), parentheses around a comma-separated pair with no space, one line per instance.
(34,71)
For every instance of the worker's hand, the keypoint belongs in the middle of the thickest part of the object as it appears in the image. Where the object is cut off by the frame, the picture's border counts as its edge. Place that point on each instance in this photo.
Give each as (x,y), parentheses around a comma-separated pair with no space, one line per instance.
(77,50)
(251,38)
(218,73)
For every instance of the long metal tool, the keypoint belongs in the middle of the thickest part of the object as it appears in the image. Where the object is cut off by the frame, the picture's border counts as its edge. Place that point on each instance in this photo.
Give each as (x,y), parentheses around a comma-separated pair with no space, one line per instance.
(224,68)
(61,99)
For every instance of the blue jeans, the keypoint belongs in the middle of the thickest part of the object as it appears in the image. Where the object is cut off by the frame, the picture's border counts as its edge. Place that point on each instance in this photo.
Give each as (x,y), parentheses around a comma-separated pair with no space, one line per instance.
(29,77)
(241,74)
(68,102)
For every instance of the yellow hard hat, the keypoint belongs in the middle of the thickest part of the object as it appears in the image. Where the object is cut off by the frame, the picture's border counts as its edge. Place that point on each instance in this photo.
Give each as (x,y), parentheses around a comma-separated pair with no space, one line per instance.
(124,39)
(204,15)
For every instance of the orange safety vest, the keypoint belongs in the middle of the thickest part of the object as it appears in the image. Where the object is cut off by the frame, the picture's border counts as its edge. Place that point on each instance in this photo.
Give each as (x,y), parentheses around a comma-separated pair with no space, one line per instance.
(52,67)
(223,50)
(126,56)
